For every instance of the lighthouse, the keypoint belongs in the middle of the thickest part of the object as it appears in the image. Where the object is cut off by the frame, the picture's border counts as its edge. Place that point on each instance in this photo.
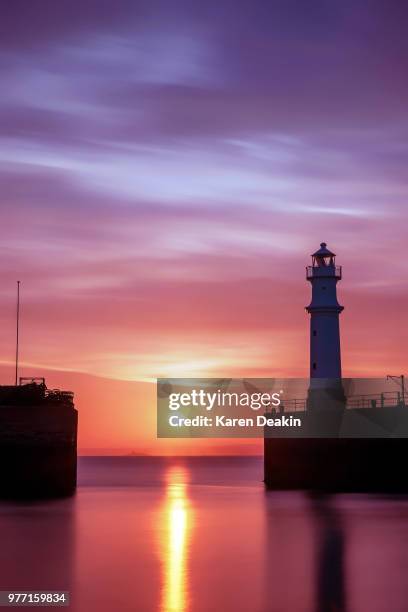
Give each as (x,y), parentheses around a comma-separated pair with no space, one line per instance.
(324,310)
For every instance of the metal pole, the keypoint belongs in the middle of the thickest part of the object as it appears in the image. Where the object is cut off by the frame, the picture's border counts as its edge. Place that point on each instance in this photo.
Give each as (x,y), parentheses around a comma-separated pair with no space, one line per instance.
(17,329)
(403,389)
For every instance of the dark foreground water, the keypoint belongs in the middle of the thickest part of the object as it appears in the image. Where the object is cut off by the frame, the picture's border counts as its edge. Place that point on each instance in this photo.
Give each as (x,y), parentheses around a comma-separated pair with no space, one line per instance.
(203,535)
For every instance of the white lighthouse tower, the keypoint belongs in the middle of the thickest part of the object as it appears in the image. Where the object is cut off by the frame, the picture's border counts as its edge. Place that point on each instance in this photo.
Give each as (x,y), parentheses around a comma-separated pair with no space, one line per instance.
(324,310)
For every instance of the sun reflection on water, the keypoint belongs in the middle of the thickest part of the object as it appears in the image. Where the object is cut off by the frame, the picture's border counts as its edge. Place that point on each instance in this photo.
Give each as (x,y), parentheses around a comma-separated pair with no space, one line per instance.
(177,519)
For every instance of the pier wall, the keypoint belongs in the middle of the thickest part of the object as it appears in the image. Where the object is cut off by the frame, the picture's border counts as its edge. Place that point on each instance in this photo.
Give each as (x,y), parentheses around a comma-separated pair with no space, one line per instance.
(38,451)
(336,464)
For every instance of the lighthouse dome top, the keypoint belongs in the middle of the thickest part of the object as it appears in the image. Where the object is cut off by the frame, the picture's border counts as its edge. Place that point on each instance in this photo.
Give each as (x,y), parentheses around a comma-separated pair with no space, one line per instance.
(323,264)
(323,251)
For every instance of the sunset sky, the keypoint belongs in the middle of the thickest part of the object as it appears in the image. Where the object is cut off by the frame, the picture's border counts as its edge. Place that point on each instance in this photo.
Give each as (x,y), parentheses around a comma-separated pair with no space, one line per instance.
(166,170)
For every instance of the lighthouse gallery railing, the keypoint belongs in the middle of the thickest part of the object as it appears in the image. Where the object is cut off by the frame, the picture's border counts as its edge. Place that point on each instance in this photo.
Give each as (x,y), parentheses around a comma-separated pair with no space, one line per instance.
(315,271)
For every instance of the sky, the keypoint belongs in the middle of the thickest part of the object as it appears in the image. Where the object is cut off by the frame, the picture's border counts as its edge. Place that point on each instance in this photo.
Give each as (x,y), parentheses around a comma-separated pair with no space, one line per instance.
(166,170)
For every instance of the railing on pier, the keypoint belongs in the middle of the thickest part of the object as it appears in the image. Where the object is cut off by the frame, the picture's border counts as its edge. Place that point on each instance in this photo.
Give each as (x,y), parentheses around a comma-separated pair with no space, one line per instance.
(388,399)
(61,397)
(290,405)
(375,400)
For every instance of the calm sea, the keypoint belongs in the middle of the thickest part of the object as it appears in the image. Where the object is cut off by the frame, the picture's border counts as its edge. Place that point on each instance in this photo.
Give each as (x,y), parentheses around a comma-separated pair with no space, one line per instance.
(202,534)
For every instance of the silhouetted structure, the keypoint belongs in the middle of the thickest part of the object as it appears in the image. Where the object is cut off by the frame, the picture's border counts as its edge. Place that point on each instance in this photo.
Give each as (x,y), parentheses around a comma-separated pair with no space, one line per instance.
(357,444)
(38,441)
(324,310)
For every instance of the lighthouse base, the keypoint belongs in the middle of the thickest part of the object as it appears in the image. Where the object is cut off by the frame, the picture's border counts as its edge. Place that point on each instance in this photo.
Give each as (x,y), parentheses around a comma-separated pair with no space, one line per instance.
(336,464)
(326,395)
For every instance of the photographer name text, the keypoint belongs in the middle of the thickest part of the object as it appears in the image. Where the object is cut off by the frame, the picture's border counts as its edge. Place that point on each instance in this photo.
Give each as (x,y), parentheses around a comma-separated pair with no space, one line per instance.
(224,421)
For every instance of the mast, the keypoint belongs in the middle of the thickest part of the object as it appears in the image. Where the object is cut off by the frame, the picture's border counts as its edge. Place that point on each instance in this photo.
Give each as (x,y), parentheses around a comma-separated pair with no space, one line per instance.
(17,329)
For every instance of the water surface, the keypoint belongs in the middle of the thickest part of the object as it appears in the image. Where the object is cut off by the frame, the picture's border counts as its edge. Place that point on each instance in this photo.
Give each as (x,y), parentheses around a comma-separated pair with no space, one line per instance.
(202,535)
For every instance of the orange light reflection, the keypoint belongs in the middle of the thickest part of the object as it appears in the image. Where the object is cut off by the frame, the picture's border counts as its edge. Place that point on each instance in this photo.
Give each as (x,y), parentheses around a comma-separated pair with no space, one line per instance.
(177,518)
